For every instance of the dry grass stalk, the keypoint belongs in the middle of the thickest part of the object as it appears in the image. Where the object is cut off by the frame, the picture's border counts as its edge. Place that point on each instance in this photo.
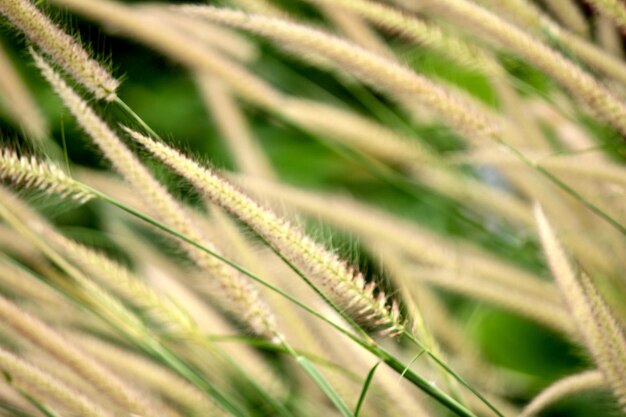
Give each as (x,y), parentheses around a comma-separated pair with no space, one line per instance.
(475,193)
(244,148)
(19,283)
(565,387)
(28,223)
(347,286)
(171,42)
(417,242)
(609,37)
(44,176)
(124,283)
(252,309)
(451,335)
(55,344)
(603,337)
(64,49)
(167,278)
(260,6)
(612,9)
(219,38)
(30,378)
(145,372)
(589,53)
(395,265)
(357,29)
(12,398)
(579,83)
(389,395)
(614,333)
(17,246)
(605,171)
(568,12)
(72,380)
(419,32)
(371,68)
(354,130)
(18,101)
(527,16)
(548,314)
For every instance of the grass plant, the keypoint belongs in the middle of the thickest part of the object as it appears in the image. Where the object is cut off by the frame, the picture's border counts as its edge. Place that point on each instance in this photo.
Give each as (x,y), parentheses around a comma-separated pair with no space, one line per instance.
(312,208)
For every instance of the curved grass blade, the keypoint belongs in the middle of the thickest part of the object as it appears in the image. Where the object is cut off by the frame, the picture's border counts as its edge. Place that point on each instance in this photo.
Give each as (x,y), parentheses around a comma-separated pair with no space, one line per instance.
(366,385)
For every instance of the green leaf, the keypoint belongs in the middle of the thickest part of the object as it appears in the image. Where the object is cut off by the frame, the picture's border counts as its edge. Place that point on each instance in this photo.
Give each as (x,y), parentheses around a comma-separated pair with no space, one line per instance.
(366,385)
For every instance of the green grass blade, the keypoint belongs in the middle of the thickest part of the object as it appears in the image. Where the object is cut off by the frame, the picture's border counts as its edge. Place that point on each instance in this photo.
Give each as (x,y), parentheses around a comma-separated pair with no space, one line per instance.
(366,385)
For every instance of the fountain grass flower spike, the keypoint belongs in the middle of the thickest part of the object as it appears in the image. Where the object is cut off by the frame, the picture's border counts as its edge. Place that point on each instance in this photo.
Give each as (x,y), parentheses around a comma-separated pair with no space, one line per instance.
(61,47)
(602,334)
(347,286)
(246,301)
(31,172)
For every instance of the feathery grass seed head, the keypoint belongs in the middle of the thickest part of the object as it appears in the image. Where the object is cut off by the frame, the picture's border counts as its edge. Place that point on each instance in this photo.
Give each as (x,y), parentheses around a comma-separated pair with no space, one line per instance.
(44,176)
(378,71)
(60,46)
(603,337)
(246,300)
(349,287)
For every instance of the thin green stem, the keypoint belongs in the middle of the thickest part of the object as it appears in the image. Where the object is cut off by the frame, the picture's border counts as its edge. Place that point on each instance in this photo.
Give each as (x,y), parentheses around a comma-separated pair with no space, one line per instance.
(323,383)
(563,186)
(136,117)
(273,347)
(456,376)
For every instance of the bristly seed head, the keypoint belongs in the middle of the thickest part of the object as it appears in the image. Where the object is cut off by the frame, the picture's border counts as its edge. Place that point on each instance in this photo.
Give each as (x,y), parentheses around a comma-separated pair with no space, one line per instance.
(349,287)
(61,47)
(31,172)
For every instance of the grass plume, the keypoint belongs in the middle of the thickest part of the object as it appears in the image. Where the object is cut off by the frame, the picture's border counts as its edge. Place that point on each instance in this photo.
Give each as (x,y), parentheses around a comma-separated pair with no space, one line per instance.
(61,47)
(55,344)
(253,311)
(598,98)
(29,377)
(47,177)
(346,285)
(570,385)
(371,68)
(385,155)
(602,335)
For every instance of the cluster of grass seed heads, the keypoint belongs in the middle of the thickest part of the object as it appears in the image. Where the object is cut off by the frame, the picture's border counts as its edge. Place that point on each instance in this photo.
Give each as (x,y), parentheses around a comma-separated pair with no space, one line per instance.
(246,300)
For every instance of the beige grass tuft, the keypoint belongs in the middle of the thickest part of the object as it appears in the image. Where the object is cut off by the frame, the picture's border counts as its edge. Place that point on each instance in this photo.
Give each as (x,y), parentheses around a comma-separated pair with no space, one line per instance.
(597,97)
(348,287)
(18,101)
(60,46)
(30,378)
(379,72)
(613,9)
(44,176)
(603,337)
(55,344)
(245,298)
